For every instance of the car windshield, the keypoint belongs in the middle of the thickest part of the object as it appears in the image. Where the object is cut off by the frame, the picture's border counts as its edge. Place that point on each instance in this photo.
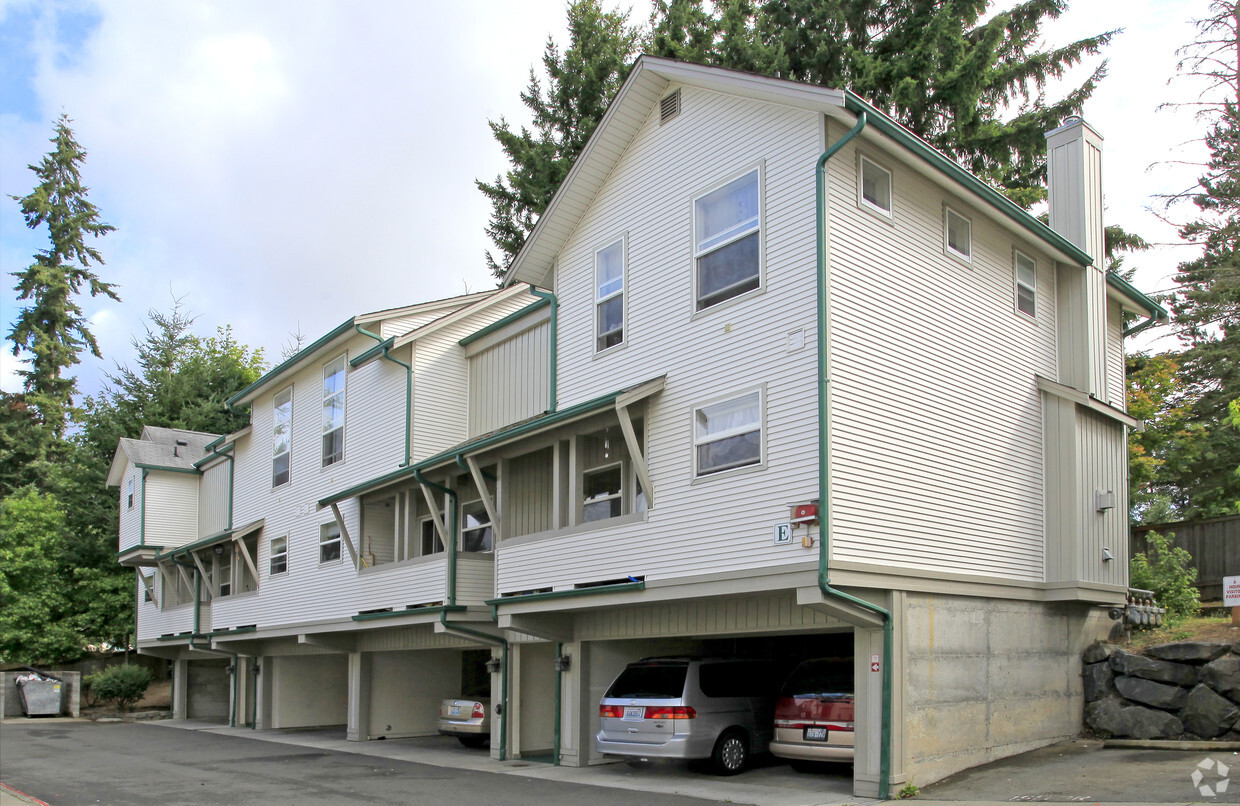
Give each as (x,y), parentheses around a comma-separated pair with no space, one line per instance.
(818,678)
(652,681)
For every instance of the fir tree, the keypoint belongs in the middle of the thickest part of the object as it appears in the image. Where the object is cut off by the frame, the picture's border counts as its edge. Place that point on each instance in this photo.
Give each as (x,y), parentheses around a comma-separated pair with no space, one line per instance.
(52,328)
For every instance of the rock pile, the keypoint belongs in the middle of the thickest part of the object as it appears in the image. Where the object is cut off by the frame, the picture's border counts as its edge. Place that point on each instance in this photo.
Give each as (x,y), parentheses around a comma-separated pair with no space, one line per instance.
(1187,690)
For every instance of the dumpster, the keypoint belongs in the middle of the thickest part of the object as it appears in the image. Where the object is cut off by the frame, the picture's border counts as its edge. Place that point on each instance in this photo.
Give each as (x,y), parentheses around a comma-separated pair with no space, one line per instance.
(40,694)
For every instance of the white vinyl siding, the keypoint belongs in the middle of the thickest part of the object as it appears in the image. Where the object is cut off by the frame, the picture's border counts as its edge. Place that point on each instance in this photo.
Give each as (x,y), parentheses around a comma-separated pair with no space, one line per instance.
(510,381)
(171,508)
(213,495)
(130,526)
(936,459)
(1117,385)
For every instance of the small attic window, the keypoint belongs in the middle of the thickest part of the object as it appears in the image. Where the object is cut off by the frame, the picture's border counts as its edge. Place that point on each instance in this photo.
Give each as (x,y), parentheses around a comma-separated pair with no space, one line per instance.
(669,107)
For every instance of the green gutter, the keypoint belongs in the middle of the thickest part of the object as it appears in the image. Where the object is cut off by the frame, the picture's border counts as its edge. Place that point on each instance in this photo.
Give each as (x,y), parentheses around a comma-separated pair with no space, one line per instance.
(555,307)
(824,499)
(522,598)
(215,454)
(211,540)
(382,348)
(415,612)
(559,695)
(450,537)
(166,469)
(1157,314)
(946,165)
(499,324)
(373,352)
(142,513)
(300,355)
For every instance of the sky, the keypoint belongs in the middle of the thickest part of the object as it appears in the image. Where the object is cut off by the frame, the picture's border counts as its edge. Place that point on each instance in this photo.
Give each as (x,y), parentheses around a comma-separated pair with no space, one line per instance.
(280,166)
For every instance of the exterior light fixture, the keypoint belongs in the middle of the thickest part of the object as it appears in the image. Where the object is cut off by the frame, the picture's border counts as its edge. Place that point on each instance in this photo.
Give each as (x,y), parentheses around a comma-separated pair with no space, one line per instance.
(564,663)
(494,665)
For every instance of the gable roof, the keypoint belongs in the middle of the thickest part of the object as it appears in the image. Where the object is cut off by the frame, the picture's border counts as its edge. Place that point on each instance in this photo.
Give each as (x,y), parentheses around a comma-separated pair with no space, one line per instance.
(159,448)
(646,84)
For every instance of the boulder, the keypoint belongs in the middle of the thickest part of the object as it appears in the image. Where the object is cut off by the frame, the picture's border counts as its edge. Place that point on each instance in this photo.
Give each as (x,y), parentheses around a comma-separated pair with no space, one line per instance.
(1114,717)
(1098,652)
(1099,681)
(1177,674)
(1208,714)
(1147,692)
(1223,675)
(1189,651)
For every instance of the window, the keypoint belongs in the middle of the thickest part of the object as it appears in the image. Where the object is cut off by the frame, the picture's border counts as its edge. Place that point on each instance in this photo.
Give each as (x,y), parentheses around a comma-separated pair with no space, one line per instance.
(728,434)
(333,412)
(1026,285)
(279,555)
(129,493)
(329,543)
(282,436)
(147,585)
(957,232)
(604,494)
(609,285)
(476,533)
(874,187)
(223,572)
(726,241)
(431,542)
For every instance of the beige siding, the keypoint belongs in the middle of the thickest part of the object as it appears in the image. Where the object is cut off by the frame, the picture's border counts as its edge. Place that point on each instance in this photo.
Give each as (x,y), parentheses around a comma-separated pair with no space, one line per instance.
(1116,384)
(171,508)
(213,499)
(1104,467)
(935,414)
(130,527)
(475,578)
(510,381)
(423,636)
(528,494)
(701,618)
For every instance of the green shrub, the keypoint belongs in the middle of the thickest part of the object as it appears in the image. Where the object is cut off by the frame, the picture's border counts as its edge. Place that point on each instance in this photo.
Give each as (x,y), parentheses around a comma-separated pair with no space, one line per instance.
(1167,570)
(121,685)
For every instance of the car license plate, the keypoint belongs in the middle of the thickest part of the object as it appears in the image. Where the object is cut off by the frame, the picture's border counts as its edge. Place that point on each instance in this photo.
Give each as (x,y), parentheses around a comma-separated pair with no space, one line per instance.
(454,710)
(816,734)
(634,712)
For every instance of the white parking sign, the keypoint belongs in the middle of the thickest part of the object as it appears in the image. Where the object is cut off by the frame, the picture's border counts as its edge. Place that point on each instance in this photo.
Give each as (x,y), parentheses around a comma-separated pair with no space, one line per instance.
(1231,591)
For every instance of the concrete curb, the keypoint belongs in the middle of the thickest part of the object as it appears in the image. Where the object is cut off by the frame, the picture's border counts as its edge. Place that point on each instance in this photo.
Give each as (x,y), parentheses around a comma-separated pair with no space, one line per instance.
(1167,744)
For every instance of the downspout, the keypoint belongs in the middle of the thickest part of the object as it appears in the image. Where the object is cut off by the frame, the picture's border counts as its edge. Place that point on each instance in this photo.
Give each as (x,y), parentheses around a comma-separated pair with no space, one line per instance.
(450,537)
(142,512)
(559,696)
(491,640)
(824,500)
(232,718)
(1135,329)
(408,386)
(555,307)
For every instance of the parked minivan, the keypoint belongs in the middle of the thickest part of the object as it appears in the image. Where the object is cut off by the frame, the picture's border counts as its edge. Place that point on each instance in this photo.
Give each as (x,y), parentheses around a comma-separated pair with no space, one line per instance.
(814,712)
(690,707)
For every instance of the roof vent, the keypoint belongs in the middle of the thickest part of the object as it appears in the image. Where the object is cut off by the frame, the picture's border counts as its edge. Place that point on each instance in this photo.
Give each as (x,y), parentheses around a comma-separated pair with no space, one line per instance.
(180,443)
(669,107)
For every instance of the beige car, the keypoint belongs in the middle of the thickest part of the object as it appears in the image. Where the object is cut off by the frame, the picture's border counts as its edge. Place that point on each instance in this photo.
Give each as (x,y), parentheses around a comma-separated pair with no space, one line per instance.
(469,720)
(814,713)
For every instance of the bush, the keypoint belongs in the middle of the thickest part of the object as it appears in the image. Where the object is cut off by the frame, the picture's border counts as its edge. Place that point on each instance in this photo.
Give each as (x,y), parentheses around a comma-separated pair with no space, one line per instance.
(1167,570)
(121,685)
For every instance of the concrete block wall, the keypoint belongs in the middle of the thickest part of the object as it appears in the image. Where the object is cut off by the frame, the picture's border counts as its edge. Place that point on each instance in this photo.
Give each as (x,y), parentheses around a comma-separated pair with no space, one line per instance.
(70,694)
(989,678)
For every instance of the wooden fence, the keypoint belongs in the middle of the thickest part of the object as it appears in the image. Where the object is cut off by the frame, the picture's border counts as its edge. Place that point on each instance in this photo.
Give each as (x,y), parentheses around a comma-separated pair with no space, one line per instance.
(1214,545)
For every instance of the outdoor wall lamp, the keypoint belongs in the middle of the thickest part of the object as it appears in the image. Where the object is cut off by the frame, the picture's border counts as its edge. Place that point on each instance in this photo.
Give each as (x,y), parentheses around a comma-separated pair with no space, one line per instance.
(564,663)
(494,665)
(219,549)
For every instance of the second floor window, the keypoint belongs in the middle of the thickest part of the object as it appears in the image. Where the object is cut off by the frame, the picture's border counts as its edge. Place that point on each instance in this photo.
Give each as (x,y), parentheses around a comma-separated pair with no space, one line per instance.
(329,543)
(282,436)
(1026,285)
(728,434)
(333,412)
(430,542)
(129,493)
(609,285)
(726,241)
(279,555)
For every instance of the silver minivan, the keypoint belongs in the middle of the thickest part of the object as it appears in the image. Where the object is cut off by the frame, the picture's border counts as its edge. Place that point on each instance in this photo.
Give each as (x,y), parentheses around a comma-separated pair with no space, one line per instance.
(688,707)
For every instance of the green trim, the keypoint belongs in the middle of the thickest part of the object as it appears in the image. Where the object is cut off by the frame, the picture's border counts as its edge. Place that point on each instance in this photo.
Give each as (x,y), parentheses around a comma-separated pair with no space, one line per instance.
(619,587)
(296,358)
(233,631)
(1157,313)
(215,442)
(499,324)
(220,453)
(174,637)
(120,555)
(824,465)
(555,307)
(947,166)
(559,695)
(534,424)
(211,540)
(414,612)
(373,352)
(166,469)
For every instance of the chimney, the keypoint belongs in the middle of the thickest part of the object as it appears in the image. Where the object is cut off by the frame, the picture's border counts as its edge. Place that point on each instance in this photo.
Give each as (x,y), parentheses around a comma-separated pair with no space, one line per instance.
(1074,196)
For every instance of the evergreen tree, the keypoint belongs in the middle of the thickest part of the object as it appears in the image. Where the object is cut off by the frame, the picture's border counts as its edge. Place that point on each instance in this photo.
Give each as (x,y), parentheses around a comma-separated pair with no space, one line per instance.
(578,86)
(973,87)
(52,328)
(1206,304)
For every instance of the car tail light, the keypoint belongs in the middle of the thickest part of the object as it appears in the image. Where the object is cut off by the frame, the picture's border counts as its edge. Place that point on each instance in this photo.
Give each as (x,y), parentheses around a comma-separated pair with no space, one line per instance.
(478,712)
(611,711)
(670,712)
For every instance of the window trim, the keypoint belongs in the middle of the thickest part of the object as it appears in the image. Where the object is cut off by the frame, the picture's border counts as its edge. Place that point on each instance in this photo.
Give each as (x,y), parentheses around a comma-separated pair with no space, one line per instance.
(698,475)
(760,228)
(599,298)
(948,249)
(289,451)
(326,538)
(623,466)
(487,524)
(343,360)
(272,555)
(132,486)
(438,538)
(864,203)
(220,563)
(1018,284)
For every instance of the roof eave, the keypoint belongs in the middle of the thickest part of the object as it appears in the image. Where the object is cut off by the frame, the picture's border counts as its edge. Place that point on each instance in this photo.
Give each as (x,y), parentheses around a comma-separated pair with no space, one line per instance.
(252,391)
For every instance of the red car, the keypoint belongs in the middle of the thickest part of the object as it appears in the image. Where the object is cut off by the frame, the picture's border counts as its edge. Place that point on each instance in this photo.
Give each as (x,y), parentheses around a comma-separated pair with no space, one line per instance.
(814,712)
